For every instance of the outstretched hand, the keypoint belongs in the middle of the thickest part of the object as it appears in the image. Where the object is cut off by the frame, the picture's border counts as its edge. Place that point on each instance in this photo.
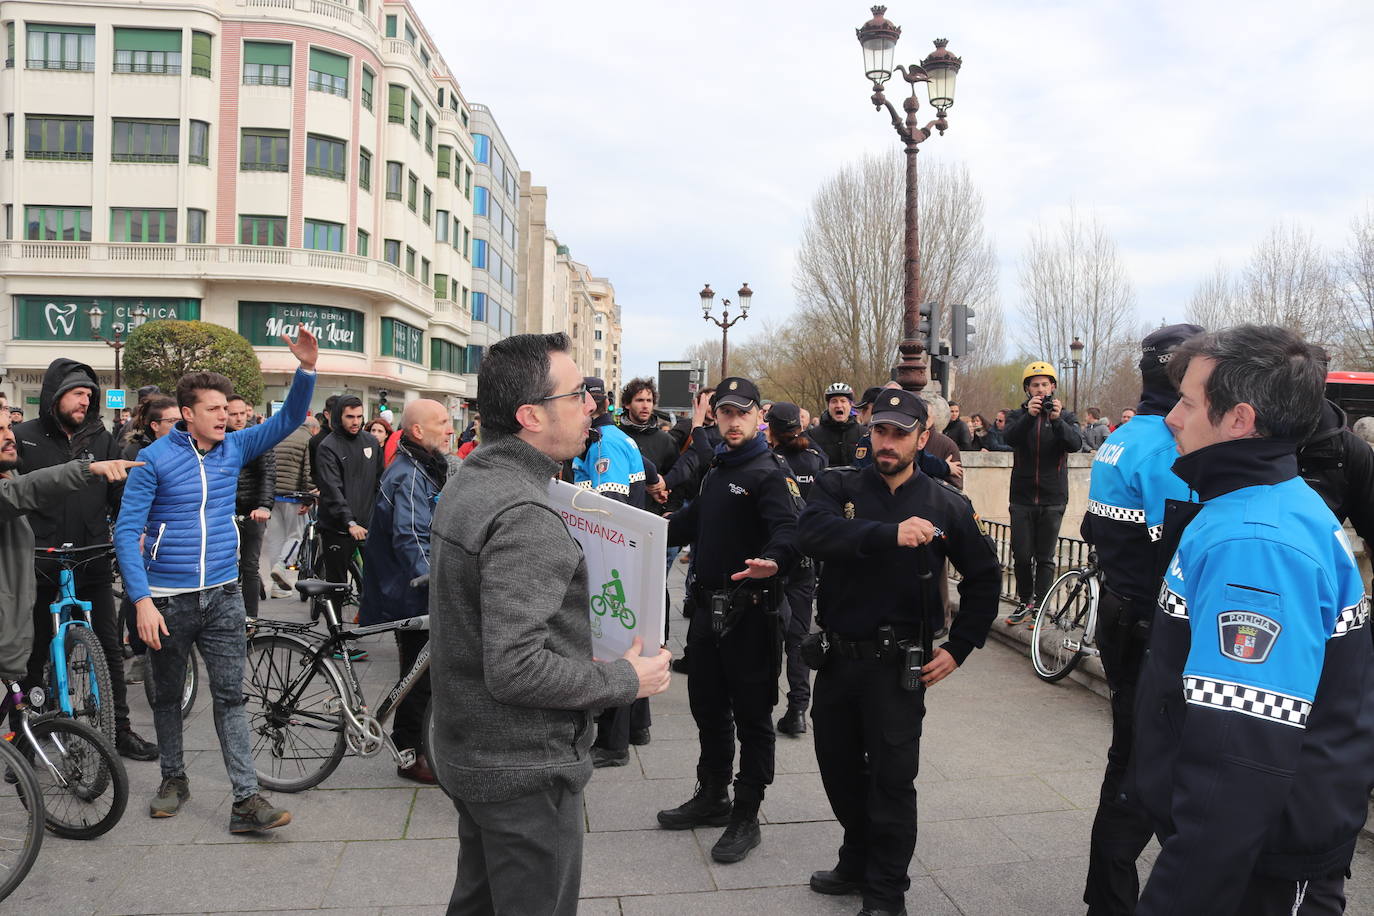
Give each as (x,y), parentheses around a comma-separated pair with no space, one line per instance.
(756,569)
(306,348)
(115,470)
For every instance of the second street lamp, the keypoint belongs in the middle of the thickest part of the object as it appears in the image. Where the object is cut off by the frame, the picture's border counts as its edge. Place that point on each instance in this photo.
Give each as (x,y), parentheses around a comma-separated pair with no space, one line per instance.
(1072,363)
(938,71)
(725,322)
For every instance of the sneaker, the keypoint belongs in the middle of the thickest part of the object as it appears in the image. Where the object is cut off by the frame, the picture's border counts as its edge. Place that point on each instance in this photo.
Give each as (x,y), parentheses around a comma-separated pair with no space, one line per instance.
(639,736)
(171,795)
(280,582)
(1023,610)
(734,844)
(131,744)
(256,813)
(354,655)
(281,592)
(605,757)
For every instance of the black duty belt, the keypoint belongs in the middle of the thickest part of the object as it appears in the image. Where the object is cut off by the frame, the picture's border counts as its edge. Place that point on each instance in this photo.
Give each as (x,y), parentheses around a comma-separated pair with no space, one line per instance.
(873,648)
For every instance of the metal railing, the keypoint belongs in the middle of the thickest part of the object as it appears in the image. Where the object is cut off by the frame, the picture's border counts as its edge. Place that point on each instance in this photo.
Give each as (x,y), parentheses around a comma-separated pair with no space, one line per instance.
(1069,553)
(39,63)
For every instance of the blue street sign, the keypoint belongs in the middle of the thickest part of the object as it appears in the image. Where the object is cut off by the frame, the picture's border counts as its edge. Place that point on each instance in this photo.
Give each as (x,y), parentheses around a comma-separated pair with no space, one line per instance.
(114,399)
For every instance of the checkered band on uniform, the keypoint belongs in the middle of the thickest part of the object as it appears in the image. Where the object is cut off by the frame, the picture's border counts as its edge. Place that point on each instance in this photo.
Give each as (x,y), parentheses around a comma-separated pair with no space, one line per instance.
(1172,603)
(1250,701)
(1352,618)
(1116,513)
(620,488)
(637,477)
(1156,532)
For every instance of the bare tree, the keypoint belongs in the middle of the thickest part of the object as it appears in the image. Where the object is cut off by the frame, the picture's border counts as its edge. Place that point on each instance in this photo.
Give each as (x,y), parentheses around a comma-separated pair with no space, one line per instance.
(1214,302)
(1076,285)
(1355,292)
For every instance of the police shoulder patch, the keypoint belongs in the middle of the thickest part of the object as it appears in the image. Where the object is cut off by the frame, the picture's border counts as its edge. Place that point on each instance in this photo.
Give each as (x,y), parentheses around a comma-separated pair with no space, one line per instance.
(603,465)
(793,488)
(1246,636)
(860,451)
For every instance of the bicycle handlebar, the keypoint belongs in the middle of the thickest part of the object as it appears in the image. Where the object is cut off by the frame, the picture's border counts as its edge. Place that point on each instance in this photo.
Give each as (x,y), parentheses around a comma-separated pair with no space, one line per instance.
(301,495)
(68,552)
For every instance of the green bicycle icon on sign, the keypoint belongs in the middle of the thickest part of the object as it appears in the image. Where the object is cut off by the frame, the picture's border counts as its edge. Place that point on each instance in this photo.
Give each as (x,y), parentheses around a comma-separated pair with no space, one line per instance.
(612,597)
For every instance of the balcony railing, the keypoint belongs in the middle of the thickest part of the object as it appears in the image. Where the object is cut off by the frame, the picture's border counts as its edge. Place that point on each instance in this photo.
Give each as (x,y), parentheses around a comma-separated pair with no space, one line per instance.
(57,155)
(162,69)
(81,66)
(143,157)
(341,12)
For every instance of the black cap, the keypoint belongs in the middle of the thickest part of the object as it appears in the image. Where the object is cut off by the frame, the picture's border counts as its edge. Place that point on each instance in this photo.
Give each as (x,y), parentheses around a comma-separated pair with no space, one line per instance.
(900,408)
(737,392)
(784,416)
(147,391)
(869,395)
(1159,345)
(595,387)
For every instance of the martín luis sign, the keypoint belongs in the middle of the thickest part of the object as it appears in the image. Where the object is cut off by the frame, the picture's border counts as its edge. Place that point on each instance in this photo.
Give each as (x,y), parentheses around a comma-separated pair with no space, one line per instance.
(263,323)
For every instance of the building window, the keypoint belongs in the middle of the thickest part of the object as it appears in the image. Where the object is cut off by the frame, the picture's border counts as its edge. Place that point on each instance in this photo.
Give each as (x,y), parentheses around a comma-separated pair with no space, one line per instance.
(410,35)
(467,183)
(414,116)
(57,47)
(467,242)
(9,62)
(202,59)
(454,292)
(498,169)
(147,51)
(364,169)
(429,135)
(481,202)
(481,148)
(457,233)
(146,141)
(445,160)
(195,226)
(363,241)
(457,169)
(412,190)
(368,80)
(391,27)
(403,341)
(441,286)
(323,236)
(391,252)
(479,306)
(445,356)
(264,150)
(479,253)
(57,224)
(325,156)
(328,72)
(128,225)
(47,137)
(424,270)
(410,260)
(596,353)
(266,64)
(9,136)
(426,208)
(198,148)
(395,104)
(262,230)
(393,180)
(441,225)
(474,359)
(424,56)
(598,333)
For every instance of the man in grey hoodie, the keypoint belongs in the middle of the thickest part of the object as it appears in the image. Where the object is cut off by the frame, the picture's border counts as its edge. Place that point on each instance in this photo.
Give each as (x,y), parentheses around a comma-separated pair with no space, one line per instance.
(514,678)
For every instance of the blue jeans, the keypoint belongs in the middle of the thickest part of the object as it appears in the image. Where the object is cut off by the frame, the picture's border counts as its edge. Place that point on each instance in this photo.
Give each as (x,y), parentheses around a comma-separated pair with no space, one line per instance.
(212,621)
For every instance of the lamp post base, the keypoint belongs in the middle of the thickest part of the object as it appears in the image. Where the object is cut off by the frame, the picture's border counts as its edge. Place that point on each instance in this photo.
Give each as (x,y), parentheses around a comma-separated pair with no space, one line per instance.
(912,371)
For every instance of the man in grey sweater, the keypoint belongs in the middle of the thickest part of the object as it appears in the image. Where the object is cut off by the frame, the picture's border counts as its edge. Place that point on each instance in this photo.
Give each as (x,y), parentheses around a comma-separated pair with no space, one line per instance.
(514,678)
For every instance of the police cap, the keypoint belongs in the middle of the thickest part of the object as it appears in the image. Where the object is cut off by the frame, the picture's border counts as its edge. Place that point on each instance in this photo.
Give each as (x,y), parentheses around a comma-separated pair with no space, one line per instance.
(869,395)
(903,409)
(737,392)
(784,416)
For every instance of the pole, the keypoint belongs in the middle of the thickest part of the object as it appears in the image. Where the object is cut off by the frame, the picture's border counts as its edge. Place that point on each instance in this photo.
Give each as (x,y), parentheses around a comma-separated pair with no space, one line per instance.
(1075,388)
(913,369)
(724,347)
(117,347)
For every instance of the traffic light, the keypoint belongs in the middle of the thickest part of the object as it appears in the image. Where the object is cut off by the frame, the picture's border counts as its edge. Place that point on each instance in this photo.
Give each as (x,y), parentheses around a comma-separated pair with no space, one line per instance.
(961,329)
(928,331)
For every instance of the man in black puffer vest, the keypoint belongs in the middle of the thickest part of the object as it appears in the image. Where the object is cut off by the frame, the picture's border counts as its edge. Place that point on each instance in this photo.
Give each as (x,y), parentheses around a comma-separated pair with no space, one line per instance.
(253,507)
(349,473)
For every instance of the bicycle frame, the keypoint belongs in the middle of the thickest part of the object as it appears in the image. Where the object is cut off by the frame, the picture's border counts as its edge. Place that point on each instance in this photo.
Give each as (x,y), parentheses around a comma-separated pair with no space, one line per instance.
(62,621)
(14,700)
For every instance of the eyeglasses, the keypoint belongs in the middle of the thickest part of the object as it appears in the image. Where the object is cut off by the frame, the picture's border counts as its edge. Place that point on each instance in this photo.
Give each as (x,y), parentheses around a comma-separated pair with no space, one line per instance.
(581,392)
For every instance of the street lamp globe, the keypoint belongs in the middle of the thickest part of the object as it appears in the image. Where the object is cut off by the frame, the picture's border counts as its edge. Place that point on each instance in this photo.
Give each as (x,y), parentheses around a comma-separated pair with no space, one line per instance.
(707,296)
(942,67)
(879,40)
(96,313)
(1077,348)
(137,316)
(744,295)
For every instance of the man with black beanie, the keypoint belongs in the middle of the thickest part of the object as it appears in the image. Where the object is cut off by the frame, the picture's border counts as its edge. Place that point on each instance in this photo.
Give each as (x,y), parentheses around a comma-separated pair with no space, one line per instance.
(348,472)
(1131,479)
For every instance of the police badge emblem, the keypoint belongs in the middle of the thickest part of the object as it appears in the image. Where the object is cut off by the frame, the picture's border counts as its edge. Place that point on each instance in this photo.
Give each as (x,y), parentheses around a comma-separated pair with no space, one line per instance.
(603,465)
(848,510)
(1246,636)
(734,385)
(860,451)
(793,488)
(367,451)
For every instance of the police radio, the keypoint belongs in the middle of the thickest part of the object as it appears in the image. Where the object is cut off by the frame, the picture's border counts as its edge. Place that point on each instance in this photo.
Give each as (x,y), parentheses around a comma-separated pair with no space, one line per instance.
(913,658)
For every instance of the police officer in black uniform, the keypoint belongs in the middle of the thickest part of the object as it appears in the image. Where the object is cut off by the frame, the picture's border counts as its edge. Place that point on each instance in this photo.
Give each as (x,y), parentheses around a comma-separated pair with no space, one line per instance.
(883,532)
(789,440)
(742,523)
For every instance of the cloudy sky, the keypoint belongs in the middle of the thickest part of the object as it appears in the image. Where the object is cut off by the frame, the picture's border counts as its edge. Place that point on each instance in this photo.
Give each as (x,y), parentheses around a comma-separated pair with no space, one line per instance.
(681,143)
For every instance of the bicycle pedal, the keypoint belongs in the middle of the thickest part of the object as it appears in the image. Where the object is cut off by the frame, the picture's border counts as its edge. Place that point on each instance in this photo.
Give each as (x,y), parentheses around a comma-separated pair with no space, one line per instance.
(1073,645)
(405,759)
(333,705)
(1090,651)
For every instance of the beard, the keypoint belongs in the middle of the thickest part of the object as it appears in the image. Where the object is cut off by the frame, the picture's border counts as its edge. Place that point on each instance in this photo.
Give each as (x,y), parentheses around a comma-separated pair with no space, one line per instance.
(899,463)
(69,421)
(8,463)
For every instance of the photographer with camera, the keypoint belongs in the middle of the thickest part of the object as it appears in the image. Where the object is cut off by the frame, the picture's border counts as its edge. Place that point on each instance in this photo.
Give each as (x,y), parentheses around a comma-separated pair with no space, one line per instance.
(1042,434)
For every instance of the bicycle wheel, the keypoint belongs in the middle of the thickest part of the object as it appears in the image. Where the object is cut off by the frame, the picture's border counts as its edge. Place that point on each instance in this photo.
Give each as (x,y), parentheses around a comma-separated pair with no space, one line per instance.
(1057,639)
(88,682)
(21,819)
(189,689)
(295,714)
(86,789)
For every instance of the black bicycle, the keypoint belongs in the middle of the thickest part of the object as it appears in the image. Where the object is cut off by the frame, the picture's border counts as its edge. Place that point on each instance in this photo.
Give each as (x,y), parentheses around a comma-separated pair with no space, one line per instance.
(305,705)
(308,560)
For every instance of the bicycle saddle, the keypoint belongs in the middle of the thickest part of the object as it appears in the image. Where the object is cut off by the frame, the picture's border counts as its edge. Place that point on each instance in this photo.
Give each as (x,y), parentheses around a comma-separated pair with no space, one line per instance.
(313,587)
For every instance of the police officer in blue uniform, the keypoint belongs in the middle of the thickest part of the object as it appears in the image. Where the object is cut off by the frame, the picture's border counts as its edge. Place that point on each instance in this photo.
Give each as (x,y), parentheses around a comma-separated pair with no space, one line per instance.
(1132,477)
(1254,746)
(883,533)
(789,440)
(743,526)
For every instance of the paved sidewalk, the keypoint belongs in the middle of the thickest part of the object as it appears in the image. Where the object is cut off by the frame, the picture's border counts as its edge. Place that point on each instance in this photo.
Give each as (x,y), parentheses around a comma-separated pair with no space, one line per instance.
(1008,783)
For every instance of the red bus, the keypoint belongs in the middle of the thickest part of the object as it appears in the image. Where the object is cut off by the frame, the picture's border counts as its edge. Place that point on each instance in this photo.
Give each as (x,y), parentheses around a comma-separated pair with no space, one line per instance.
(1353,392)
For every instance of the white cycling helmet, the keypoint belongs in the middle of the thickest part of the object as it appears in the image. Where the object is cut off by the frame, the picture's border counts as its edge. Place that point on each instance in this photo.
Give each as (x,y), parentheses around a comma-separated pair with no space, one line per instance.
(839,389)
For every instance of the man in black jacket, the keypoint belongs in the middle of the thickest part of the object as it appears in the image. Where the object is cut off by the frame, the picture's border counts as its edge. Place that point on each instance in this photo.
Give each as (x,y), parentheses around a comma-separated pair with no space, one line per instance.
(638,399)
(1042,435)
(67,427)
(1339,465)
(253,507)
(838,433)
(349,472)
(326,419)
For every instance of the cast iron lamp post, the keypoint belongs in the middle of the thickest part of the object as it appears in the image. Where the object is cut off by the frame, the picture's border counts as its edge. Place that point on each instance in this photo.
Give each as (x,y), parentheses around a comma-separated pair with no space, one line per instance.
(136,318)
(938,71)
(725,322)
(1072,363)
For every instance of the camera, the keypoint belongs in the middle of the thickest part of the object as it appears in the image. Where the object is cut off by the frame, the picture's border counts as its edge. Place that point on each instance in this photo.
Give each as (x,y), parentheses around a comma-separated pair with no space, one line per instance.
(1047,403)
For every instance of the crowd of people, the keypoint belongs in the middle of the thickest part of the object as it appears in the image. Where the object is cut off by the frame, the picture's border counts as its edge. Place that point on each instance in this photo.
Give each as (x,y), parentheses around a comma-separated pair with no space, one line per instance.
(816,553)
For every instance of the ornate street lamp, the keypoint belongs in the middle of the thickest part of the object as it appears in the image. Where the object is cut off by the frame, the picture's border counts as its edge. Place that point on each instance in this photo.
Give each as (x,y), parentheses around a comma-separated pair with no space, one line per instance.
(938,71)
(745,295)
(137,315)
(1072,363)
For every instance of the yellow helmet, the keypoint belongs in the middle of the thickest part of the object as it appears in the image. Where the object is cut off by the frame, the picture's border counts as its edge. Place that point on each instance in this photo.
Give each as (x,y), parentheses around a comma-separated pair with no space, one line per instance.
(1038,368)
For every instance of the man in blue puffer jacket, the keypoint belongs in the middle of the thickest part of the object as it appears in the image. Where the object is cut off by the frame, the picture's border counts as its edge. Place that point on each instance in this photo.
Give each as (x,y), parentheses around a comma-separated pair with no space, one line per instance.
(183,577)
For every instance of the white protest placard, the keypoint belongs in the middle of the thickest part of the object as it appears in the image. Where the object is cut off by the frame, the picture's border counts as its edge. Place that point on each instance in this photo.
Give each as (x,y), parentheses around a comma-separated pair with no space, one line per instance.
(624,548)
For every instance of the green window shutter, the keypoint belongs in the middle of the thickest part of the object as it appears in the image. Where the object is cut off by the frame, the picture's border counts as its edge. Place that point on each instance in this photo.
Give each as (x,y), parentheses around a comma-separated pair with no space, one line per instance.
(261,52)
(391,27)
(396,103)
(147,39)
(445,155)
(200,53)
(325,62)
(76,30)
(367,81)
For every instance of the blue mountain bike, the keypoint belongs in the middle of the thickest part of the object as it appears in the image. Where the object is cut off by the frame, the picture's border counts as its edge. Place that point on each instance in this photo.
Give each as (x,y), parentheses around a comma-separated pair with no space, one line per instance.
(76,674)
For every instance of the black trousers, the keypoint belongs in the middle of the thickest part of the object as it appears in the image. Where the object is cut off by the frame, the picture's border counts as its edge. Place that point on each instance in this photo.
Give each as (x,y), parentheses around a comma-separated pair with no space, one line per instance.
(613,726)
(250,554)
(521,857)
(1273,897)
(732,691)
(868,745)
(105,622)
(1120,829)
(1034,534)
(338,550)
(801,588)
(408,725)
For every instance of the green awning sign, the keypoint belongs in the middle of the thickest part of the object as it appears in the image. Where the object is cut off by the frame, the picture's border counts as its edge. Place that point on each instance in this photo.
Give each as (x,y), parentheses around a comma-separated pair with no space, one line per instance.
(68,317)
(263,323)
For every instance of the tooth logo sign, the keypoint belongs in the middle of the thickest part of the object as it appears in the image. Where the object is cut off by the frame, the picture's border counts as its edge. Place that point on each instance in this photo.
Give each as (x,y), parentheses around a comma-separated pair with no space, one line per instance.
(64,315)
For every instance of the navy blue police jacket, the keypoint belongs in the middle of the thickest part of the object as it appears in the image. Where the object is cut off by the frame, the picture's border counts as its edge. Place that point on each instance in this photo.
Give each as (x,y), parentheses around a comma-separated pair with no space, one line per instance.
(1254,745)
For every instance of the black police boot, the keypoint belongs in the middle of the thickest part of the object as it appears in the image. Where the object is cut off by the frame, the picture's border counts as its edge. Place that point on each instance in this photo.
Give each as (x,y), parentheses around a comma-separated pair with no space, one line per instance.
(878,911)
(709,806)
(742,833)
(793,722)
(835,883)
